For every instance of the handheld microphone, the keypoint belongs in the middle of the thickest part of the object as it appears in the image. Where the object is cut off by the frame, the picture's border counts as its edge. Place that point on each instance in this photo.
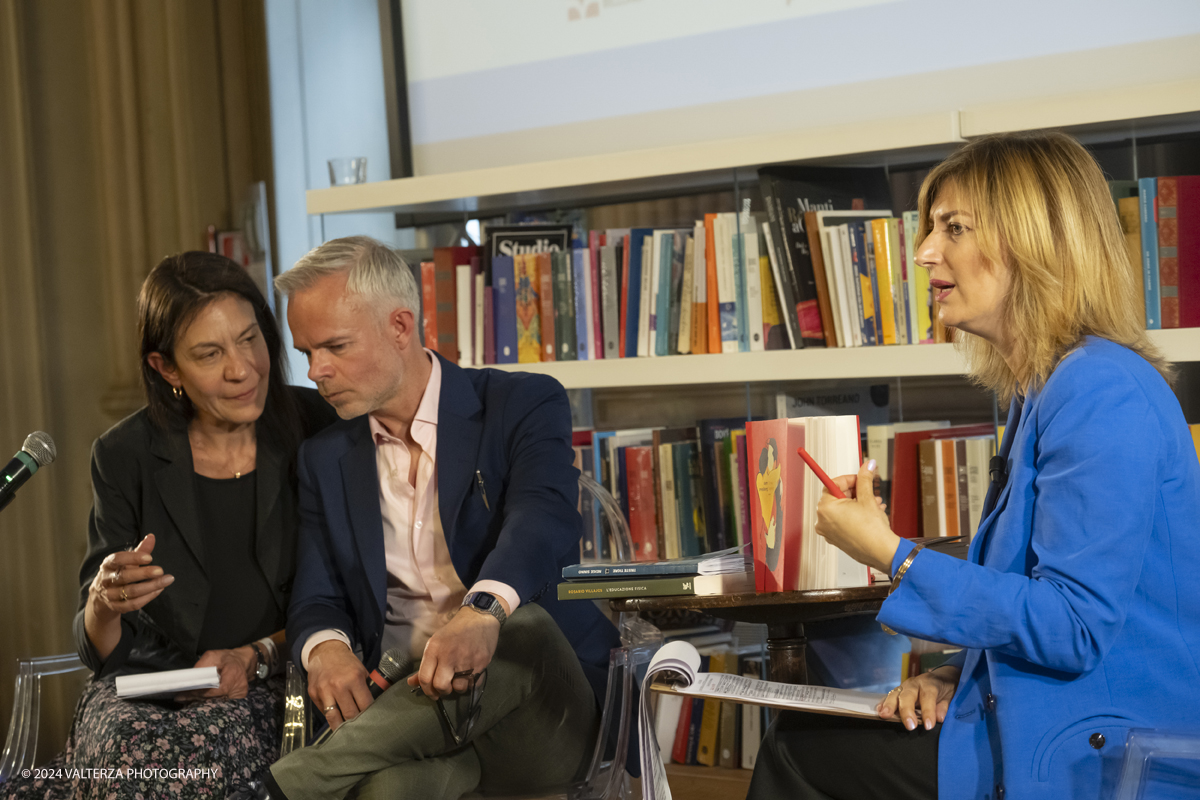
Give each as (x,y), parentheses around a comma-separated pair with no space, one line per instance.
(37,452)
(394,665)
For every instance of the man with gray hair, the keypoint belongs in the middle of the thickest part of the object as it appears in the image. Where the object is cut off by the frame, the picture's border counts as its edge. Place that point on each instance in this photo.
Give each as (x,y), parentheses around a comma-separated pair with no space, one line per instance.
(435,522)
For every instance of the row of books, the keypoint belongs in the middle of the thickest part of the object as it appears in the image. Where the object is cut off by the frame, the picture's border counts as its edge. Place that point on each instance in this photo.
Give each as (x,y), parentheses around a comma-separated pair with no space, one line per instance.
(709,732)
(681,490)
(1161,221)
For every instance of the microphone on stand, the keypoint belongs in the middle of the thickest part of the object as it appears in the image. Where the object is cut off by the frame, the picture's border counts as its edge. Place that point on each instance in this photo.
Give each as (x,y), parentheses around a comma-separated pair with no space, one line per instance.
(37,452)
(394,665)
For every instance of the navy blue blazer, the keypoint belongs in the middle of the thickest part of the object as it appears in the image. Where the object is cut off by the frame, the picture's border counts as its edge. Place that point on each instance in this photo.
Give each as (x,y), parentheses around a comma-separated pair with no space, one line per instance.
(1078,605)
(514,429)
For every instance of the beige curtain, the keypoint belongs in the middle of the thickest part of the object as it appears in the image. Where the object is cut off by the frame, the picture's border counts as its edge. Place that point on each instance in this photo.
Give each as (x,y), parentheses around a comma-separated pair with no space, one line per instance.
(126,128)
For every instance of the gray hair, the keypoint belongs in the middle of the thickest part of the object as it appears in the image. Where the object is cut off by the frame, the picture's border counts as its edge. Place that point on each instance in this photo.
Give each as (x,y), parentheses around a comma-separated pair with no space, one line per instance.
(374,271)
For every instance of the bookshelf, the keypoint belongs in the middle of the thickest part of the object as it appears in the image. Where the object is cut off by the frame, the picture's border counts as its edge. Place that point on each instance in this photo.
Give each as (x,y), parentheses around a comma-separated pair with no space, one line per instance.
(1109,115)
(1181,345)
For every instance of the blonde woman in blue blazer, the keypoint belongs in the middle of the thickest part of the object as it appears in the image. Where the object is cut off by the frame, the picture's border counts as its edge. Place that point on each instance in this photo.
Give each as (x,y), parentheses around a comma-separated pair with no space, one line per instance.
(1078,609)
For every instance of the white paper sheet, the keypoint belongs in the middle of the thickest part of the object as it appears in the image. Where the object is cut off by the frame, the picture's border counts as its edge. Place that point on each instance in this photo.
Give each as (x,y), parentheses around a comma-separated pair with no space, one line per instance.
(169,683)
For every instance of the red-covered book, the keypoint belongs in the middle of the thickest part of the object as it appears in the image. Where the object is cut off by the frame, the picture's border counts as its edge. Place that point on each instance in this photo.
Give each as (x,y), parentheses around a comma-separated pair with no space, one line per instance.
(1187,211)
(643,526)
(429,304)
(445,259)
(679,752)
(546,295)
(906,489)
(776,494)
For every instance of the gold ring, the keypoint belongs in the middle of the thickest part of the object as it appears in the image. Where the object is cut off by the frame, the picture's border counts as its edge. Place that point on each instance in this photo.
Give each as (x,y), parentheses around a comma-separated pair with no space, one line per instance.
(895,690)
(329,709)
(124,596)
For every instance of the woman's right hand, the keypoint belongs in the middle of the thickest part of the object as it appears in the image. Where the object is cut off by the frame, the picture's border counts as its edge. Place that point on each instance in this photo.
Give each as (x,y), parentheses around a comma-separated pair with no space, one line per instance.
(925,697)
(125,582)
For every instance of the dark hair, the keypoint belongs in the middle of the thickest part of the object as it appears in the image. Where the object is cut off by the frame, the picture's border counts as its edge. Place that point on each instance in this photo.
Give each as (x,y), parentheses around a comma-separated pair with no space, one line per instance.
(764,458)
(174,292)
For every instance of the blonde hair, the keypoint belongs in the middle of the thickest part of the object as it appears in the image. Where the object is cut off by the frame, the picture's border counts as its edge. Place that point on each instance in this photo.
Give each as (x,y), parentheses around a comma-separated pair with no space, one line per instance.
(375,271)
(1042,207)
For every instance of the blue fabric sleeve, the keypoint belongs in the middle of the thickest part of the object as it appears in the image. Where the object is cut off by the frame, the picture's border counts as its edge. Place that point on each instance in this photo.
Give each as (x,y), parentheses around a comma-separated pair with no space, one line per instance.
(1089,514)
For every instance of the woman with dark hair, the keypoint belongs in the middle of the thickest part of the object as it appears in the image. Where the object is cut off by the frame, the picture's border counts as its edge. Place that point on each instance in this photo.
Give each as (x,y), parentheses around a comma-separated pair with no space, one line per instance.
(191,545)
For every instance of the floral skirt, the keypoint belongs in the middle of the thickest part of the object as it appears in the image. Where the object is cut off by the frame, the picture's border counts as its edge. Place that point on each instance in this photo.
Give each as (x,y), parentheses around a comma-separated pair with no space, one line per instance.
(140,749)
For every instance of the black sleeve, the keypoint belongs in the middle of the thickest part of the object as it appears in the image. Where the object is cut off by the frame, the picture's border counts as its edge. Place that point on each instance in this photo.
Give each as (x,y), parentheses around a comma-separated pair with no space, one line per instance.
(112,526)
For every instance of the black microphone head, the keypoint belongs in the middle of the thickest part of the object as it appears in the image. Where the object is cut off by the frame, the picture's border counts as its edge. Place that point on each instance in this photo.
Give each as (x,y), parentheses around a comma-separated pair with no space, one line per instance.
(395,664)
(39,445)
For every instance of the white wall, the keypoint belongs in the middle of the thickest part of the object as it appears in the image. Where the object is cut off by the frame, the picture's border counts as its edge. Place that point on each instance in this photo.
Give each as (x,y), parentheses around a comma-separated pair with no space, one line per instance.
(327,101)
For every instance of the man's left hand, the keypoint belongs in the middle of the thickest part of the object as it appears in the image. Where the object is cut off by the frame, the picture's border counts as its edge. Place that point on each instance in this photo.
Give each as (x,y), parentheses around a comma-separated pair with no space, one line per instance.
(465,644)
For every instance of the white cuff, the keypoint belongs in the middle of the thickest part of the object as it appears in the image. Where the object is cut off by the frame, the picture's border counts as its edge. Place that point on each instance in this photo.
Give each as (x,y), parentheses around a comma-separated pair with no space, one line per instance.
(317,638)
(501,590)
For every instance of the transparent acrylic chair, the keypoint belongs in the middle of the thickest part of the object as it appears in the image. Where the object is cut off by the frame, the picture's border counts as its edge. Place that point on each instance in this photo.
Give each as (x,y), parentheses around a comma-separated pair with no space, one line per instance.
(20,749)
(606,778)
(1176,773)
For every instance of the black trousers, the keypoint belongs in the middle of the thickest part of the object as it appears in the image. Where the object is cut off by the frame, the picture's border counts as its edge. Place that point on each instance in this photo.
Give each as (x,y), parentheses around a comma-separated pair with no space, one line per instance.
(822,757)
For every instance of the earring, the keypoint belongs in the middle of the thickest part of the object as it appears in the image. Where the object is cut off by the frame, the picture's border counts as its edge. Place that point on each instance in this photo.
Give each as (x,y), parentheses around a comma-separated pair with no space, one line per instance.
(177,391)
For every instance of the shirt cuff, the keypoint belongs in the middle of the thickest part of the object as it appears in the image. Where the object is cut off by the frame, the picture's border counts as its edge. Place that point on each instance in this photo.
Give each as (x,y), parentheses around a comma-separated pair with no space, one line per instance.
(905,547)
(317,638)
(501,590)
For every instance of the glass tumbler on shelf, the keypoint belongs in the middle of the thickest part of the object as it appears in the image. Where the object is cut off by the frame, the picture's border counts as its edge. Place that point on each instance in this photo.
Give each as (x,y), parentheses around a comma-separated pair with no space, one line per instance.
(346,171)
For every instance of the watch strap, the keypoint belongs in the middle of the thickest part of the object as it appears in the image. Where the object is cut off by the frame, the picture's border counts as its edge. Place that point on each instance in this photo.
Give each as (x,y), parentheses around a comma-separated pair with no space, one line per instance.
(486,603)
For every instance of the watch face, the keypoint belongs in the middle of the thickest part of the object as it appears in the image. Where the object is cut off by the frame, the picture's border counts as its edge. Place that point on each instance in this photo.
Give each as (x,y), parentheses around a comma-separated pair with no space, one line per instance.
(483,601)
(262,671)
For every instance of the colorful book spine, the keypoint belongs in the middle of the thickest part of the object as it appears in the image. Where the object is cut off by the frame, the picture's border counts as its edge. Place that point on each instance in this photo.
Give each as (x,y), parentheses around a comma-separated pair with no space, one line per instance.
(1147,199)
(643,527)
(582,285)
(632,298)
(866,303)
(1168,251)
(1188,221)
(489,325)
(447,316)
(610,301)
(739,287)
(595,298)
(873,272)
(477,320)
(564,306)
(922,301)
(660,316)
(715,339)
(700,297)
(464,289)
(687,292)
(825,301)
(545,271)
(754,291)
(505,302)
(675,314)
(528,308)
(882,280)
(646,303)
(429,304)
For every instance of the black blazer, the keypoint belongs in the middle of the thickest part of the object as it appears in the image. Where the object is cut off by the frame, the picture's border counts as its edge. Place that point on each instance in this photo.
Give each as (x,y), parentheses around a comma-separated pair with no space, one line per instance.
(143,482)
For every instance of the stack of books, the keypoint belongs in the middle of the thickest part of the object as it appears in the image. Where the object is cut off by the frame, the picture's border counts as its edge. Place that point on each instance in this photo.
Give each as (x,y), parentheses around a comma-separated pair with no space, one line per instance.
(727,572)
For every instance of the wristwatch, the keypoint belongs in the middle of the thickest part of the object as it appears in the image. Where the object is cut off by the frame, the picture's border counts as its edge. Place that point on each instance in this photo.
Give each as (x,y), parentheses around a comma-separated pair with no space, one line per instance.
(486,603)
(263,669)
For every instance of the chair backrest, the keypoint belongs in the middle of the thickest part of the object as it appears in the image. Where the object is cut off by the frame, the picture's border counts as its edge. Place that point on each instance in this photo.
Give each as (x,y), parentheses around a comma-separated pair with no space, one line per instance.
(1176,773)
(20,749)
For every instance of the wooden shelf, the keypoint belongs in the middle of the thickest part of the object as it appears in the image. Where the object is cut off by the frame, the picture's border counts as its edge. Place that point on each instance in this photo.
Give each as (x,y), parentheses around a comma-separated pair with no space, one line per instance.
(704,783)
(1148,110)
(794,365)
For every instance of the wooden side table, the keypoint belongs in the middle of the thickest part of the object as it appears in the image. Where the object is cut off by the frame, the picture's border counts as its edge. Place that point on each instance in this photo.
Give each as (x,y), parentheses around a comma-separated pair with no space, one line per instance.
(784,614)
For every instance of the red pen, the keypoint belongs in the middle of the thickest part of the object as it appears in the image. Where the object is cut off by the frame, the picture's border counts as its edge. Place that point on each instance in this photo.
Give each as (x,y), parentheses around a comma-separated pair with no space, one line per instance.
(820,473)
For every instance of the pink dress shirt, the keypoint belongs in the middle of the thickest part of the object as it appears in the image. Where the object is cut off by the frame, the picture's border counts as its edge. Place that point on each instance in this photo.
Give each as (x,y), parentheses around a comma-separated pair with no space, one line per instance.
(423,589)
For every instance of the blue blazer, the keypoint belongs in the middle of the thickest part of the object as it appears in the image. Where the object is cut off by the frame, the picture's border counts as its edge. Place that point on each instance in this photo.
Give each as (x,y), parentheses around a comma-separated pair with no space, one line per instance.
(514,429)
(1079,606)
